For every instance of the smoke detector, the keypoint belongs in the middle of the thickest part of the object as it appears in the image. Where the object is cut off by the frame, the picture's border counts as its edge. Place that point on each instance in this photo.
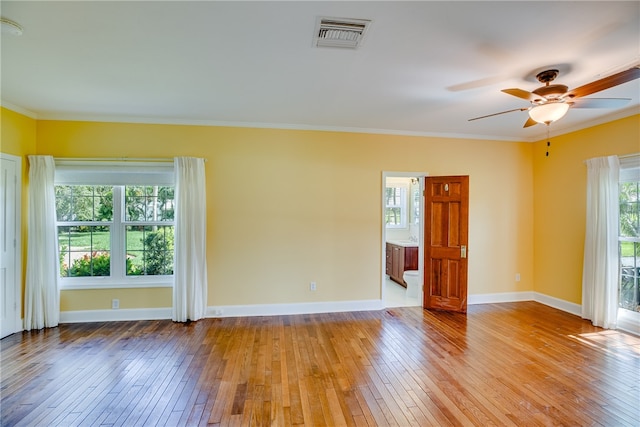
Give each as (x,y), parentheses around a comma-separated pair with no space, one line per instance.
(340,32)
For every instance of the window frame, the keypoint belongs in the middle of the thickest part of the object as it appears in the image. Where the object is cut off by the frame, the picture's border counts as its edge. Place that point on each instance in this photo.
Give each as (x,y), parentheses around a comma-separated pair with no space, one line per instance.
(117,175)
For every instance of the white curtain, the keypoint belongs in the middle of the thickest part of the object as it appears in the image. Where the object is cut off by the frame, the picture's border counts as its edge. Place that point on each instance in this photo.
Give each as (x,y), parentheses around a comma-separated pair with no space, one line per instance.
(600,269)
(190,269)
(42,296)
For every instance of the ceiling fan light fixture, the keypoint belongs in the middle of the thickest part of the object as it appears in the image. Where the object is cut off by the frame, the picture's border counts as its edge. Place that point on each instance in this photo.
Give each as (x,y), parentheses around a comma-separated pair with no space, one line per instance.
(10,27)
(549,112)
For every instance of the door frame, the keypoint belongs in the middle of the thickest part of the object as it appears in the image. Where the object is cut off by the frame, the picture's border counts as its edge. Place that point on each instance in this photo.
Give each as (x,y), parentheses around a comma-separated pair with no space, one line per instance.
(18,239)
(383,261)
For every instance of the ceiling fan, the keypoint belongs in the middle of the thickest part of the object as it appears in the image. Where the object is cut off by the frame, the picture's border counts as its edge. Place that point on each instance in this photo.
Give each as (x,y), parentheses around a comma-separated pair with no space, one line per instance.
(552,101)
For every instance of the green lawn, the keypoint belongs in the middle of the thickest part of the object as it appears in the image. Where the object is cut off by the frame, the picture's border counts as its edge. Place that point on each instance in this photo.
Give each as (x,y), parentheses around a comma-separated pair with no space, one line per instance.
(626,249)
(82,240)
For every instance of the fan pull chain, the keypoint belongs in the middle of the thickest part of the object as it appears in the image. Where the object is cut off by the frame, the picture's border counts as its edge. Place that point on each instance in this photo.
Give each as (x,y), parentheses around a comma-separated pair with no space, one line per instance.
(548,141)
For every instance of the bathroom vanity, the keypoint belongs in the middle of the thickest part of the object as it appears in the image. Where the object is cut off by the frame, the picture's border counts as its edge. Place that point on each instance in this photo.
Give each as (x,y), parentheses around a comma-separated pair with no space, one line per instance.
(401,256)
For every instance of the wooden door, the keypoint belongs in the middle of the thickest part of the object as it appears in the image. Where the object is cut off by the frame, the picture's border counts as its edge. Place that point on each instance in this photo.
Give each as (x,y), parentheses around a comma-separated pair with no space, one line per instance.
(446,241)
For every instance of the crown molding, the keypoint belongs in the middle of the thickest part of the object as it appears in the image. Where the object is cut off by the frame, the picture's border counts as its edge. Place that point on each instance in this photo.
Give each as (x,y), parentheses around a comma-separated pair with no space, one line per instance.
(18,109)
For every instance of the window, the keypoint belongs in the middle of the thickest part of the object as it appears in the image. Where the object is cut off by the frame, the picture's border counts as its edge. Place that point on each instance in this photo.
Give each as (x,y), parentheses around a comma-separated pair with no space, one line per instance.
(629,239)
(396,207)
(111,233)
(85,219)
(149,230)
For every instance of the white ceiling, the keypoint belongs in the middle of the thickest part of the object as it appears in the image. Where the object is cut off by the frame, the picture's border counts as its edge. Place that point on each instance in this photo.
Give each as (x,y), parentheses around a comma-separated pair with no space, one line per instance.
(424,67)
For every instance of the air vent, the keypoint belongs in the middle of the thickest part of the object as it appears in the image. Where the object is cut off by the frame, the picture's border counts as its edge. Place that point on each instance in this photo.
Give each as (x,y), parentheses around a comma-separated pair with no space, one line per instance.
(341,32)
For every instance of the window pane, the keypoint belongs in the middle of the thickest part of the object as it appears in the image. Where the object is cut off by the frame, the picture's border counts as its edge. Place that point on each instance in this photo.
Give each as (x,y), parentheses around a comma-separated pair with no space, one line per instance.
(396,209)
(84,203)
(390,193)
(63,202)
(629,209)
(103,203)
(629,247)
(149,250)
(394,196)
(630,275)
(416,206)
(393,216)
(149,203)
(165,203)
(84,251)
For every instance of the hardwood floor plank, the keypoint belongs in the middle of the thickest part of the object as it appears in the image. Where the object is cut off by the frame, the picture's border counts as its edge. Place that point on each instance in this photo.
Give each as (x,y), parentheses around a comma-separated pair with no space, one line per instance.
(305,403)
(379,413)
(500,364)
(336,410)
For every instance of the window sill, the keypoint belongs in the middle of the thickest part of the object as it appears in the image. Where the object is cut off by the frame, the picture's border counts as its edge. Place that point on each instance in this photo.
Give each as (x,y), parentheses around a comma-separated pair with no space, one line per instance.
(109,283)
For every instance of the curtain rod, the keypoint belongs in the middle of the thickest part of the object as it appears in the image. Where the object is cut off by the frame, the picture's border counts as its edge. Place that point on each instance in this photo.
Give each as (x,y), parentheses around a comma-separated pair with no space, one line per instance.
(629,155)
(118,159)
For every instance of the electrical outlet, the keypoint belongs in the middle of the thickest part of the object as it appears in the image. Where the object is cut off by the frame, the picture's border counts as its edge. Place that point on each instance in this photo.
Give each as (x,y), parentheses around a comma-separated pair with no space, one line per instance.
(517,277)
(115,304)
(313,286)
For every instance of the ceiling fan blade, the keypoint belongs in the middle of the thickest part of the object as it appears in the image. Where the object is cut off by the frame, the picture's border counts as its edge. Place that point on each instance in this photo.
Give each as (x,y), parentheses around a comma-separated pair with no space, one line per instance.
(605,83)
(501,112)
(474,84)
(520,93)
(529,122)
(599,102)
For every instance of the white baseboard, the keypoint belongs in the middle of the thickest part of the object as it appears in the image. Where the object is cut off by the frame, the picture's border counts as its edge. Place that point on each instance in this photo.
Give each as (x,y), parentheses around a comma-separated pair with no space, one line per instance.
(554,302)
(558,303)
(81,316)
(221,311)
(500,297)
(300,308)
(297,308)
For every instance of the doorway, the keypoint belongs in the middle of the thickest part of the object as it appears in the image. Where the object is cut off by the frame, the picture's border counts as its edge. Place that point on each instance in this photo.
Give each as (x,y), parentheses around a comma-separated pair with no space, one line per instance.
(402,232)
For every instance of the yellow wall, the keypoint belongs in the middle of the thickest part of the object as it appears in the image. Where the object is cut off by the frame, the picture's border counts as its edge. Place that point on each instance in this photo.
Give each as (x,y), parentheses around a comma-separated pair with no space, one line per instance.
(18,138)
(18,133)
(560,199)
(100,299)
(288,207)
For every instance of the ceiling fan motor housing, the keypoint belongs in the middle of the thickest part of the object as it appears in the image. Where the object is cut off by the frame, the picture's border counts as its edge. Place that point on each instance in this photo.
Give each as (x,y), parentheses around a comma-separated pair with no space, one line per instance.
(547,76)
(550,92)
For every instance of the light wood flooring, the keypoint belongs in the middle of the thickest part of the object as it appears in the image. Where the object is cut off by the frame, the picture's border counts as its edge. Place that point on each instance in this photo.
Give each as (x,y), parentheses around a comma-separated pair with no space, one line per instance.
(511,364)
